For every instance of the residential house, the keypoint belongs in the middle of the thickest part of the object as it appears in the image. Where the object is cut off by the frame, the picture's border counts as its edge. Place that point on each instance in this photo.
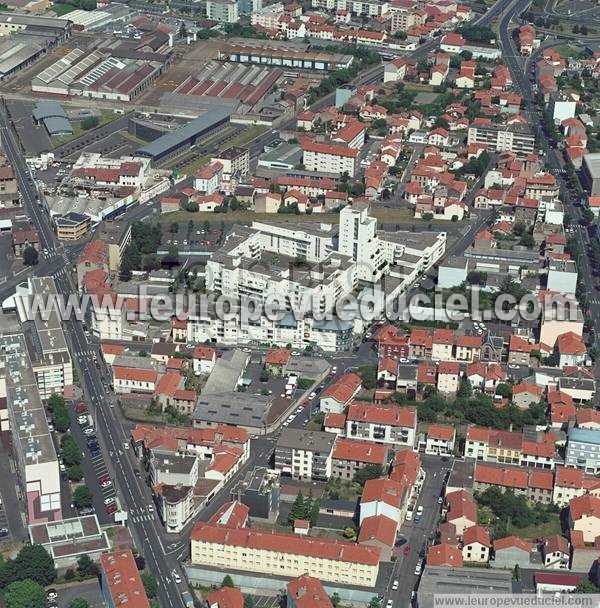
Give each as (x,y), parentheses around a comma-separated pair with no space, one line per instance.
(440,439)
(337,396)
(476,544)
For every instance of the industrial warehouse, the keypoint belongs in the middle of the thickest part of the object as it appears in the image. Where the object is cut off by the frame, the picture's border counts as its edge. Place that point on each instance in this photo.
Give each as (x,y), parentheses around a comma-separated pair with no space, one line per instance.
(184,137)
(118,72)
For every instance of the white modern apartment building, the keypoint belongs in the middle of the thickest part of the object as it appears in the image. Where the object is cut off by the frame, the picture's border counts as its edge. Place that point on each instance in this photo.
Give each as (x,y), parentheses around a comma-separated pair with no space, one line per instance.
(372,8)
(224,11)
(50,357)
(309,268)
(33,448)
(329,158)
(516,138)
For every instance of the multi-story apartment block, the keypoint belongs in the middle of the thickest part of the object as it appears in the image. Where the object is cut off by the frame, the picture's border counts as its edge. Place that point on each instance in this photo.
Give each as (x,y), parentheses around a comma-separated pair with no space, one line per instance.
(329,158)
(516,138)
(371,8)
(288,555)
(120,580)
(350,455)
(304,454)
(392,425)
(33,449)
(224,11)
(583,450)
(50,357)
(235,162)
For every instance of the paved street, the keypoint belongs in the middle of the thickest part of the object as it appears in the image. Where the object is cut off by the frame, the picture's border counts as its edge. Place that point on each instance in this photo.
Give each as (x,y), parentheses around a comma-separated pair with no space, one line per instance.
(418,534)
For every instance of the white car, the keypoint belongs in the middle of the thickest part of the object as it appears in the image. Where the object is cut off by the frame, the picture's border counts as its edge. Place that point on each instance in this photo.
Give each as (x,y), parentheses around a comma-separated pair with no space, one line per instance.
(176,577)
(312,395)
(390,604)
(45,252)
(109,501)
(295,353)
(395,585)
(513,366)
(334,370)
(126,445)
(404,360)
(89,431)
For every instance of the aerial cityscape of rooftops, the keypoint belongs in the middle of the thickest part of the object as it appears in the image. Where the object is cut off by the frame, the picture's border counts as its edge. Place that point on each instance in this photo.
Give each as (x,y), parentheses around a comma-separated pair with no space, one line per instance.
(299,303)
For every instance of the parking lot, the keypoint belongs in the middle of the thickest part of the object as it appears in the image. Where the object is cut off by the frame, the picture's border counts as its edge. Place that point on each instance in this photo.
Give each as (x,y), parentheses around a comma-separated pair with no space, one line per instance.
(263,601)
(95,469)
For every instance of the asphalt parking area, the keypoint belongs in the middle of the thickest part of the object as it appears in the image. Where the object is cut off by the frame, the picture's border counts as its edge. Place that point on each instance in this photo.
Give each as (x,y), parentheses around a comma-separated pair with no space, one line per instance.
(263,601)
(5,533)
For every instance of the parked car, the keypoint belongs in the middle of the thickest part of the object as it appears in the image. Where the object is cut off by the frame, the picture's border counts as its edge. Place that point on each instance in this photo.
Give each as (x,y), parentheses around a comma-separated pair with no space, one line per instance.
(176,577)
(110,500)
(111,508)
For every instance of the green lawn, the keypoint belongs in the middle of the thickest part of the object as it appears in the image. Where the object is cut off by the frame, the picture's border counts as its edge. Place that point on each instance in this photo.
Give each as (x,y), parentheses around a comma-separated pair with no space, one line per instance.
(568,50)
(106,117)
(538,530)
(62,9)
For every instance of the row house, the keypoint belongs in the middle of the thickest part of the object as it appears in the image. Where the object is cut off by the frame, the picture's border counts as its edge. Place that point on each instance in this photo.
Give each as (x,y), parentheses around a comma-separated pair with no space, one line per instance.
(350,455)
(382,424)
(440,439)
(584,516)
(461,510)
(337,396)
(536,485)
(476,545)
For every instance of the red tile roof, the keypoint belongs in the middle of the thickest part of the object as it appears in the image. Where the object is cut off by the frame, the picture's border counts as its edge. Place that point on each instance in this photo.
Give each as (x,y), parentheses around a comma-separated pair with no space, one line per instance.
(441,432)
(378,528)
(286,543)
(226,597)
(451,368)
(512,542)
(444,555)
(584,506)
(335,421)
(279,356)
(307,592)
(461,504)
(476,534)
(392,415)
(571,344)
(334,150)
(343,389)
(359,451)
(383,490)
(231,514)
(123,579)
(134,374)
(566,477)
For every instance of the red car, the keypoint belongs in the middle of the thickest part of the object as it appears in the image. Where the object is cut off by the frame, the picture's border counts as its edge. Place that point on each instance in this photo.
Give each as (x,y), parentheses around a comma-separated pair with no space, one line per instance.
(407,550)
(111,508)
(81,408)
(103,478)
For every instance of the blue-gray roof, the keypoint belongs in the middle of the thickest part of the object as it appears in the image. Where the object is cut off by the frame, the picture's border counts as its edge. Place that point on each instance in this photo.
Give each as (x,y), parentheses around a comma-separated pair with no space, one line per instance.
(173,139)
(335,324)
(584,435)
(56,125)
(48,109)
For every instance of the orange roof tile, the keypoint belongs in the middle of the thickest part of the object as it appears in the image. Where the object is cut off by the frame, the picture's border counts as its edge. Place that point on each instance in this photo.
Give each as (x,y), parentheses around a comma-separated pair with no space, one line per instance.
(444,555)
(357,450)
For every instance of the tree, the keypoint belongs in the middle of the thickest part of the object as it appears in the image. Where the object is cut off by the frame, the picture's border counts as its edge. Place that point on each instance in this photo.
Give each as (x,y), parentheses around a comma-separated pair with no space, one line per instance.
(150,585)
(30,256)
(313,515)
(79,602)
(140,562)
(75,473)
(370,471)
(25,594)
(298,510)
(227,581)
(335,599)
(368,375)
(34,562)
(375,602)
(586,586)
(69,574)
(248,601)
(86,567)
(91,122)
(83,497)
(70,450)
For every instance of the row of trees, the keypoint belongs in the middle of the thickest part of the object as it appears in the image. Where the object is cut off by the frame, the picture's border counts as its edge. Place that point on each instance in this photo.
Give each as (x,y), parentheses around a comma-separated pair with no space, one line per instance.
(305,508)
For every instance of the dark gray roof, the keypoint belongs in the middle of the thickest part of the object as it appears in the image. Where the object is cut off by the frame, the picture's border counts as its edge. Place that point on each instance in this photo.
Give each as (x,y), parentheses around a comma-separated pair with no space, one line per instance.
(58,126)
(173,139)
